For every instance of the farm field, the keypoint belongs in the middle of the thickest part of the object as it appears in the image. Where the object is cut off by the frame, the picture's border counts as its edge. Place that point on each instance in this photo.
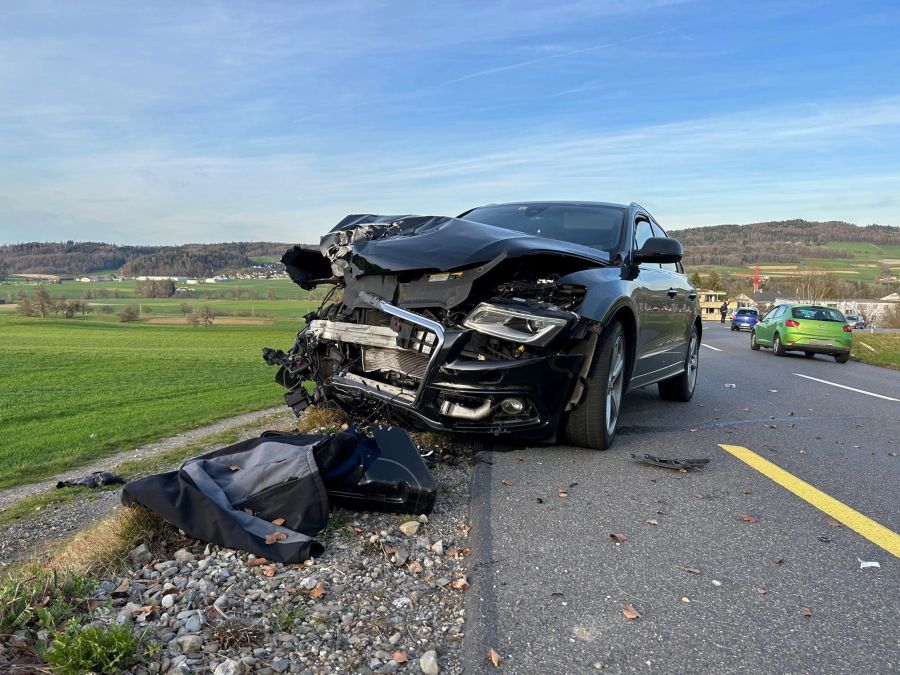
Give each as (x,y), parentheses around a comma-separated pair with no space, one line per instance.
(72,390)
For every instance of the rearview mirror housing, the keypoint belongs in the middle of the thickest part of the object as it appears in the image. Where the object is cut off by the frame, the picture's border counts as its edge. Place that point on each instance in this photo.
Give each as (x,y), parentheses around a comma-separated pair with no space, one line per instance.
(659,250)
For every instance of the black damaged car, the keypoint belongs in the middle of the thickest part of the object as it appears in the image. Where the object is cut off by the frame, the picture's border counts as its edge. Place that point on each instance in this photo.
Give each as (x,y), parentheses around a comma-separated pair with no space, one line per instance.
(527,320)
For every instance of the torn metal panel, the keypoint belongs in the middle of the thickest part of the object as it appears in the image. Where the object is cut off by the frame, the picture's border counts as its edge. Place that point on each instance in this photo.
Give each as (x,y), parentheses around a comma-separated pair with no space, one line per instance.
(669,463)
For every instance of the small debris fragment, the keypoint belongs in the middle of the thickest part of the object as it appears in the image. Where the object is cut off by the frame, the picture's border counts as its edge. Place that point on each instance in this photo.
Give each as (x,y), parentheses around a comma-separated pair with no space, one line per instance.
(618,538)
(685,599)
(630,613)
(652,521)
(747,519)
(773,391)
(834,523)
(761,590)
(494,658)
(400,656)
(506,482)
(730,385)
(863,564)
(667,463)
(806,612)
(561,492)
(716,582)
(824,538)
(692,570)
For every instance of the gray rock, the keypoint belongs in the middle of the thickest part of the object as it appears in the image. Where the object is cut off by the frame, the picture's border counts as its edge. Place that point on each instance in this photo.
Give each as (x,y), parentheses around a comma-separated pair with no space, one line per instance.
(428,663)
(189,643)
(281,665)
(229,667)
(140,555)
(183,556)
(193,624)
(168,601)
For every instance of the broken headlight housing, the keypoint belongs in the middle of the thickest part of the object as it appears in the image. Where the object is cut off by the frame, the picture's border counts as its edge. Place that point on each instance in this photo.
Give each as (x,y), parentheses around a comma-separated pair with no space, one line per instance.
(516,325)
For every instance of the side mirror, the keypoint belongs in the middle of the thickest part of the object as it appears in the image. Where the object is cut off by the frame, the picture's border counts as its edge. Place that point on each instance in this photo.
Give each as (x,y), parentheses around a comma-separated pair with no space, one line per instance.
(659,250)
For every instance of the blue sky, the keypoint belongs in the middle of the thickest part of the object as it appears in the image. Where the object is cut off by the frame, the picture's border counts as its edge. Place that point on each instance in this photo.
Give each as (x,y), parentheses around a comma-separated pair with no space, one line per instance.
(158,122)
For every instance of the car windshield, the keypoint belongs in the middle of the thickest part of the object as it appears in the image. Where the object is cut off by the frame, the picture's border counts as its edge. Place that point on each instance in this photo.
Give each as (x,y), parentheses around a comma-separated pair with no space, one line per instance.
(594,225)
(817,314)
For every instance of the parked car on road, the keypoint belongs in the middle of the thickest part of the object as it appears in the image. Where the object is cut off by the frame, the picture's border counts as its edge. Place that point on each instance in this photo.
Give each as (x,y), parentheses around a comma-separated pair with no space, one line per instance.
(744,317)
(856,320)
(527,320)
(806,328)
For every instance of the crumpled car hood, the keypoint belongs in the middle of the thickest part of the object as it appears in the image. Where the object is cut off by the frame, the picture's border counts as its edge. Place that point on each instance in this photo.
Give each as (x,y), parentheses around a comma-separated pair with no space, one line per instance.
(372,244)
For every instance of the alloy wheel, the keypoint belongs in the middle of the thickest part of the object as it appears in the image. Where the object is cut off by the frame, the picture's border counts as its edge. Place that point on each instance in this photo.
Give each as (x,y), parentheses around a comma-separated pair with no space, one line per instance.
(614,384)
(693,362)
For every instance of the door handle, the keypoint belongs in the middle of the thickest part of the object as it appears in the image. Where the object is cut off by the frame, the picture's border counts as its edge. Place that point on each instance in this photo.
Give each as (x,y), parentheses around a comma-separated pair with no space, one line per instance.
(672,292)
(692,295)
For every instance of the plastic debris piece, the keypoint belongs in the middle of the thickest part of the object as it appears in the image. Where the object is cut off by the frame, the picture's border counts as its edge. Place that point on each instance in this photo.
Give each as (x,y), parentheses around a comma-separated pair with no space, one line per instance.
(863,564)
(730,385)
(773,391)
(667,463)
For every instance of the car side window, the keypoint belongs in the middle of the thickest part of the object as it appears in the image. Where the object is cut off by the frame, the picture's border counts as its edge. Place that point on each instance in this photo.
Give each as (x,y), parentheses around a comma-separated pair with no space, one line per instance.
(659,232)
(772,313)
(643,230)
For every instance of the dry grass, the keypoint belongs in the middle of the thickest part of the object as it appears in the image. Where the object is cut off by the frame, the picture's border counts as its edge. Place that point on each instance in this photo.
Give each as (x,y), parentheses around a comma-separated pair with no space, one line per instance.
(319,418)
(103,549)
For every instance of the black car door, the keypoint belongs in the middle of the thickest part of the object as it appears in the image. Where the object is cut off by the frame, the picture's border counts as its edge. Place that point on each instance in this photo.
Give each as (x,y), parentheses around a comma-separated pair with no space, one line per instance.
(653,310)
(680,308)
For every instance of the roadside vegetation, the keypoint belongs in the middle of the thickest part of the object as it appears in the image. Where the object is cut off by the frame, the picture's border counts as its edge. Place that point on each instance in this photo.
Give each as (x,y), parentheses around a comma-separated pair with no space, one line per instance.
(877,349)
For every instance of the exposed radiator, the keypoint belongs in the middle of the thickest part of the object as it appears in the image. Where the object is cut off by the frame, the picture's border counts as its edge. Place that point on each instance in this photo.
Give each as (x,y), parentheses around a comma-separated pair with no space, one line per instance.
(400,360)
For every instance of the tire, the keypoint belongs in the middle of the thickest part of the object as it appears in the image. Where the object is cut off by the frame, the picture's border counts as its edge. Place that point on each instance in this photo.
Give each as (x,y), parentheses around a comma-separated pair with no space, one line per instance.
(733,329)
(754,345)
(809,355)
(842,358)
(593,423)
(681,387)
(777,347)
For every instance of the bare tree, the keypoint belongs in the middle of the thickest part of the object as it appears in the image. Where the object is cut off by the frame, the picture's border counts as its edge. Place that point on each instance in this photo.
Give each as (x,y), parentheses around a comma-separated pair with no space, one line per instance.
(128,313)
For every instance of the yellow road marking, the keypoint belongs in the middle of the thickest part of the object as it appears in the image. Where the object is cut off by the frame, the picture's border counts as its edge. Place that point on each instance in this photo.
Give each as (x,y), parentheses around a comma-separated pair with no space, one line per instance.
(874,532)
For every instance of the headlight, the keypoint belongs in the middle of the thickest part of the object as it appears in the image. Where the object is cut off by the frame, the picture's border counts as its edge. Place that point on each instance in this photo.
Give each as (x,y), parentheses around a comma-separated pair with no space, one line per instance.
(516,325)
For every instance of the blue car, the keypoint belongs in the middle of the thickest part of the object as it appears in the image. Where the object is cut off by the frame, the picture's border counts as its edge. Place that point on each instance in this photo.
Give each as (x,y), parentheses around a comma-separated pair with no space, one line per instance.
(744,317)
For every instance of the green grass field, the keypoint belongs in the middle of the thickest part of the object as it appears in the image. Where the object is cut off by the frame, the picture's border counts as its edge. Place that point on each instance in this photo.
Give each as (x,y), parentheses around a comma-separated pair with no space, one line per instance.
(73,390)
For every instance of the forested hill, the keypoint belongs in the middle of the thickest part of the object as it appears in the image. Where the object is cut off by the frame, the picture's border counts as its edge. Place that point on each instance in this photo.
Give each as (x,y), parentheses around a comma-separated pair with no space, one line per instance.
(193,260)
(778,241)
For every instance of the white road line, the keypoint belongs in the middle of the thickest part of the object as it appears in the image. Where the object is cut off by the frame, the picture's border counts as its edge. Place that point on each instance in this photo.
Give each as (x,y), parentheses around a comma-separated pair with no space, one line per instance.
(703,344)
(844,386)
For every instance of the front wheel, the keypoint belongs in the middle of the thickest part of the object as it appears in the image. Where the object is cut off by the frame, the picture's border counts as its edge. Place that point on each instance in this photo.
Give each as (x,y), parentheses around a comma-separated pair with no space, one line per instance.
(681,387)
(754,345)
(593,423)
(778,348)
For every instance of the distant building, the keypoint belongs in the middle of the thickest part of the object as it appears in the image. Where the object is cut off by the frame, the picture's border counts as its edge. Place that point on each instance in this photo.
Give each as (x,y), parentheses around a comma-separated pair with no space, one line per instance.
(710,302)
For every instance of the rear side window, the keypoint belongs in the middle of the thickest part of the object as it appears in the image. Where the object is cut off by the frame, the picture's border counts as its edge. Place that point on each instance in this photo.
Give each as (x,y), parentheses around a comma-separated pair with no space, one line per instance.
(817,314)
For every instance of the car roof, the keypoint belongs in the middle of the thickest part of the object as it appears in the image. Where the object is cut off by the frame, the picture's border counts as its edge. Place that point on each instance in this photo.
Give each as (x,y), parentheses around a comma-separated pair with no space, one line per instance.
(561,203)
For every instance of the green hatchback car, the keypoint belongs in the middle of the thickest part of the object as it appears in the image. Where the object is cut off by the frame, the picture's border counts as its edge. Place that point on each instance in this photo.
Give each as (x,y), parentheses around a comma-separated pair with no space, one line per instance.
(804,328)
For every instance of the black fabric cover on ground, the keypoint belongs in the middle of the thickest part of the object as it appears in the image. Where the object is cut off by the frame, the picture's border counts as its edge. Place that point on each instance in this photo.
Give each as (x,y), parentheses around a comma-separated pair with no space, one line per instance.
(272,477)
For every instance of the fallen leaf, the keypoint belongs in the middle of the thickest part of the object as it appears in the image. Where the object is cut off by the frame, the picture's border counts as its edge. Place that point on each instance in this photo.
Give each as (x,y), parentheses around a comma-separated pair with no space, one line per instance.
(234,467)
(318,591)
(651,521)
(278,521)
(494,658)
(275,536)
(460,584)
(256,562)
(747,519)
(630,613)
(269,571)
(779,561)
(121,589)
(834,523)
(388,550)
(692,570)
(400,656)
(506,482)
(464,528)
(806,612)
(762,591)
(415,567)
(561,492)
(618,538)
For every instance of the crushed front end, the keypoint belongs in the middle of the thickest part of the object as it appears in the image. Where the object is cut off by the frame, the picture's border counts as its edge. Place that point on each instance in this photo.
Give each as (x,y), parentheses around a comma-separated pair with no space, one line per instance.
(494,346)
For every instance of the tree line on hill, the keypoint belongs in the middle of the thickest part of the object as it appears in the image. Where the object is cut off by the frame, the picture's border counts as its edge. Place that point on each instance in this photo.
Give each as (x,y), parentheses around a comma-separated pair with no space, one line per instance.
(77,258)
(777,241)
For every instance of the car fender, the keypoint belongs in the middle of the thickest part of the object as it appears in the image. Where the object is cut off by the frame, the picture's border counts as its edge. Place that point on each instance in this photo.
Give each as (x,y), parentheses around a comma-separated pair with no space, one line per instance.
(606,292)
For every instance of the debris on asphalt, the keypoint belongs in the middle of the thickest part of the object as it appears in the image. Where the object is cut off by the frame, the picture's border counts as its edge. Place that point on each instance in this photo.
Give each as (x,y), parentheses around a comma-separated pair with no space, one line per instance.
(716,582)
(730,385)
(668,463)
(685,599)
(761,590)
(93,480)
(834,523)
(630,613)
(863,564)
(652,521)
(495,659)
(618,538)
(747,519)
(824,538)
(806,611)
(692,570)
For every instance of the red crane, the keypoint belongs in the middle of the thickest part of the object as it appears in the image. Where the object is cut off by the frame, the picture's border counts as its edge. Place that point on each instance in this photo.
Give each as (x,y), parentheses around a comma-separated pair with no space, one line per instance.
(756,279)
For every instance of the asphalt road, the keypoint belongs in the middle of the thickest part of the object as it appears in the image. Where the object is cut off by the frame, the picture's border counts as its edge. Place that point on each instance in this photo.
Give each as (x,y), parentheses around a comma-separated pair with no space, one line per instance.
(549,584)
